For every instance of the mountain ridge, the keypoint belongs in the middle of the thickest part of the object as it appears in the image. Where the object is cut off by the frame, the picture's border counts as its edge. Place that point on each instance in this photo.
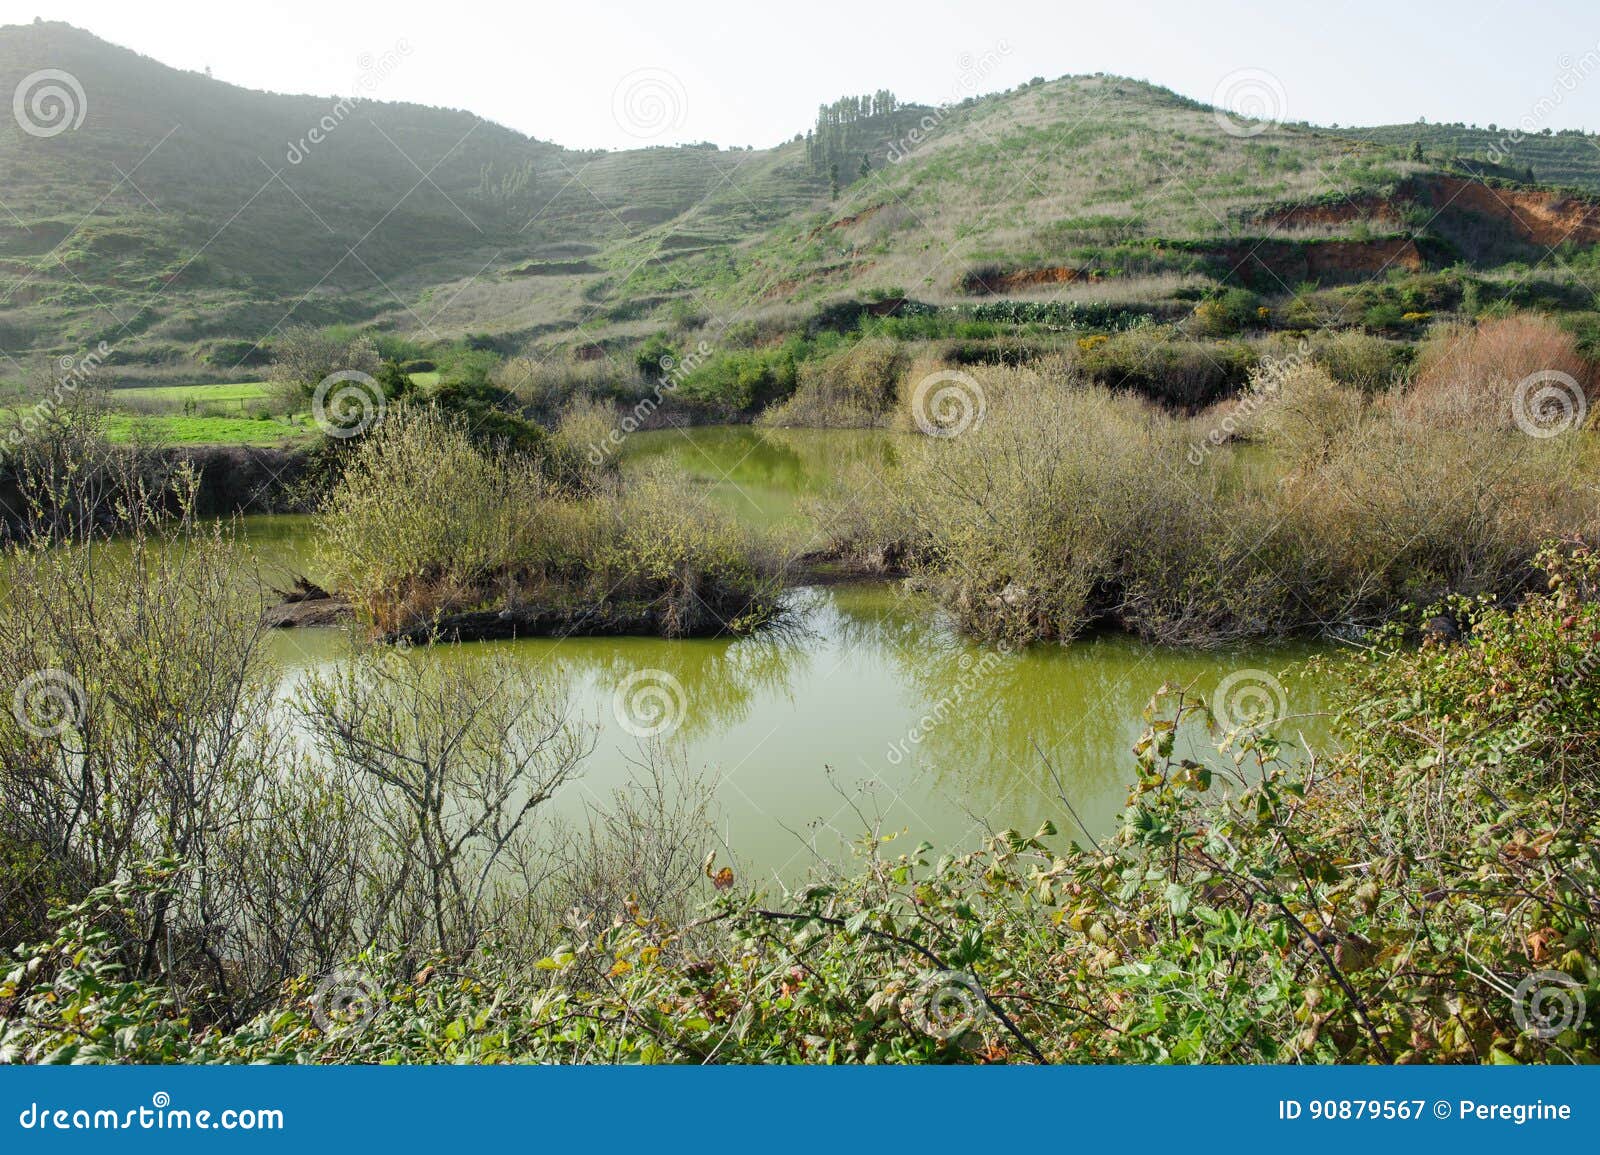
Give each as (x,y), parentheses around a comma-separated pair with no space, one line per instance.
(187,221)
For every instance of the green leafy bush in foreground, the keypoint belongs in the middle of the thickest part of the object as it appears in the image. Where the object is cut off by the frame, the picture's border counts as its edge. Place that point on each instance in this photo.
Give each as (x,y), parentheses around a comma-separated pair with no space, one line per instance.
(1429,894)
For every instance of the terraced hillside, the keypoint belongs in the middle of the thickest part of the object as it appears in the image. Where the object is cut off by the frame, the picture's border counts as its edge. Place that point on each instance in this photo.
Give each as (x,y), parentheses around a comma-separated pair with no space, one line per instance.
(1084,179)
(1570,158)
(185,217)
(187,222)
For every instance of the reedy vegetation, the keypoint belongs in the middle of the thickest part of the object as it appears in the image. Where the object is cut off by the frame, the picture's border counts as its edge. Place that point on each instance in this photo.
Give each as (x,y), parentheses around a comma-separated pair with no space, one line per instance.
(1306,505)
(148,727)
(425,522)
(1382,903)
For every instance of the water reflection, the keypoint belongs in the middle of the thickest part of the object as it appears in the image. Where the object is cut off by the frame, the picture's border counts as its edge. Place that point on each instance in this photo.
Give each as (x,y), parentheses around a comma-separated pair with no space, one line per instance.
(762,475)
(868,708)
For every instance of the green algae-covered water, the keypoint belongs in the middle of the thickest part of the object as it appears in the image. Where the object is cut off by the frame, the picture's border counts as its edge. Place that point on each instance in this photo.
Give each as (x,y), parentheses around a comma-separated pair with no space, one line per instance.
(868,708)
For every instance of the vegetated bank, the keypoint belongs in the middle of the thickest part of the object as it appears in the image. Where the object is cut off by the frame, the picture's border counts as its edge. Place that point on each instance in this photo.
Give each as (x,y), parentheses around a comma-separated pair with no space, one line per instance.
(227,479)
(430,534)
(1429,894)
(1426,893)
(1305,505)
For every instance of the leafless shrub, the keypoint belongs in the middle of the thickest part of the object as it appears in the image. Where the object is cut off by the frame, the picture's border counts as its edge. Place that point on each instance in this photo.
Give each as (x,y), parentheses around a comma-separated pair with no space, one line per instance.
(451,761)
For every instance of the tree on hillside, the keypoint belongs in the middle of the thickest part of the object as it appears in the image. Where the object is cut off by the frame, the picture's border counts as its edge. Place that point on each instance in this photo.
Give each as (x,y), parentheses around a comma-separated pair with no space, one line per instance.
(304,357)
(865,170)
(828,144)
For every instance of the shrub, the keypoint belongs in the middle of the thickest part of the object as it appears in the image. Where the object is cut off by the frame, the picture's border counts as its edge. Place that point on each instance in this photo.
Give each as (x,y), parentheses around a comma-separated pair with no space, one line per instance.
(1306,414)
(1227,313)
(1404,516)
(1371,364)
(543,386)
(741,381)
(1157,362)
(304,357)
(1427,893)
(1468,376)
(467,367)
(1383,317)
(853,388)
(655,358)
(1026,512)
(427,522)
(1068,505)
(1585,328)
(1063,314)
(407,350)
(420,504)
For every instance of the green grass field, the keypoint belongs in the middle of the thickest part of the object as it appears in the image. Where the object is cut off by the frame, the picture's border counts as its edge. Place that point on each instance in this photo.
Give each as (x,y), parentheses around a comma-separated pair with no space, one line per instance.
(238,393)
(157,413)
(180,430)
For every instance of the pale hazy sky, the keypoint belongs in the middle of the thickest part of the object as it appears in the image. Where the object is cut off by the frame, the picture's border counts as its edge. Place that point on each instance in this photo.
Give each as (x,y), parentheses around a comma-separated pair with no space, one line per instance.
(746,72)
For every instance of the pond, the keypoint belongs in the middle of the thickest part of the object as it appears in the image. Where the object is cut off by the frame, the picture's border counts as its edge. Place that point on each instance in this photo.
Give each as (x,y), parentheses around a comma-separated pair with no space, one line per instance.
(870,709)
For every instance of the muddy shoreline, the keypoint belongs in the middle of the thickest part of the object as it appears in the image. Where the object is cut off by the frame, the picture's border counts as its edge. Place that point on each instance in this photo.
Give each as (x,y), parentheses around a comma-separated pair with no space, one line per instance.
(311,607)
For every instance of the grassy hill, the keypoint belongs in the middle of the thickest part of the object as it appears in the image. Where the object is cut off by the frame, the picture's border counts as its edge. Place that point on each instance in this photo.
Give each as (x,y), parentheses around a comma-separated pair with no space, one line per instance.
(173,222)
(1084,178)
(1107,191)
(186,222)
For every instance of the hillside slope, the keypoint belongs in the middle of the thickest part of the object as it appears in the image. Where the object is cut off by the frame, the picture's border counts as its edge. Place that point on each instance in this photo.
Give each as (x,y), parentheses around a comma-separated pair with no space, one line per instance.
(187,222)
(182,208)
(1568,159)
